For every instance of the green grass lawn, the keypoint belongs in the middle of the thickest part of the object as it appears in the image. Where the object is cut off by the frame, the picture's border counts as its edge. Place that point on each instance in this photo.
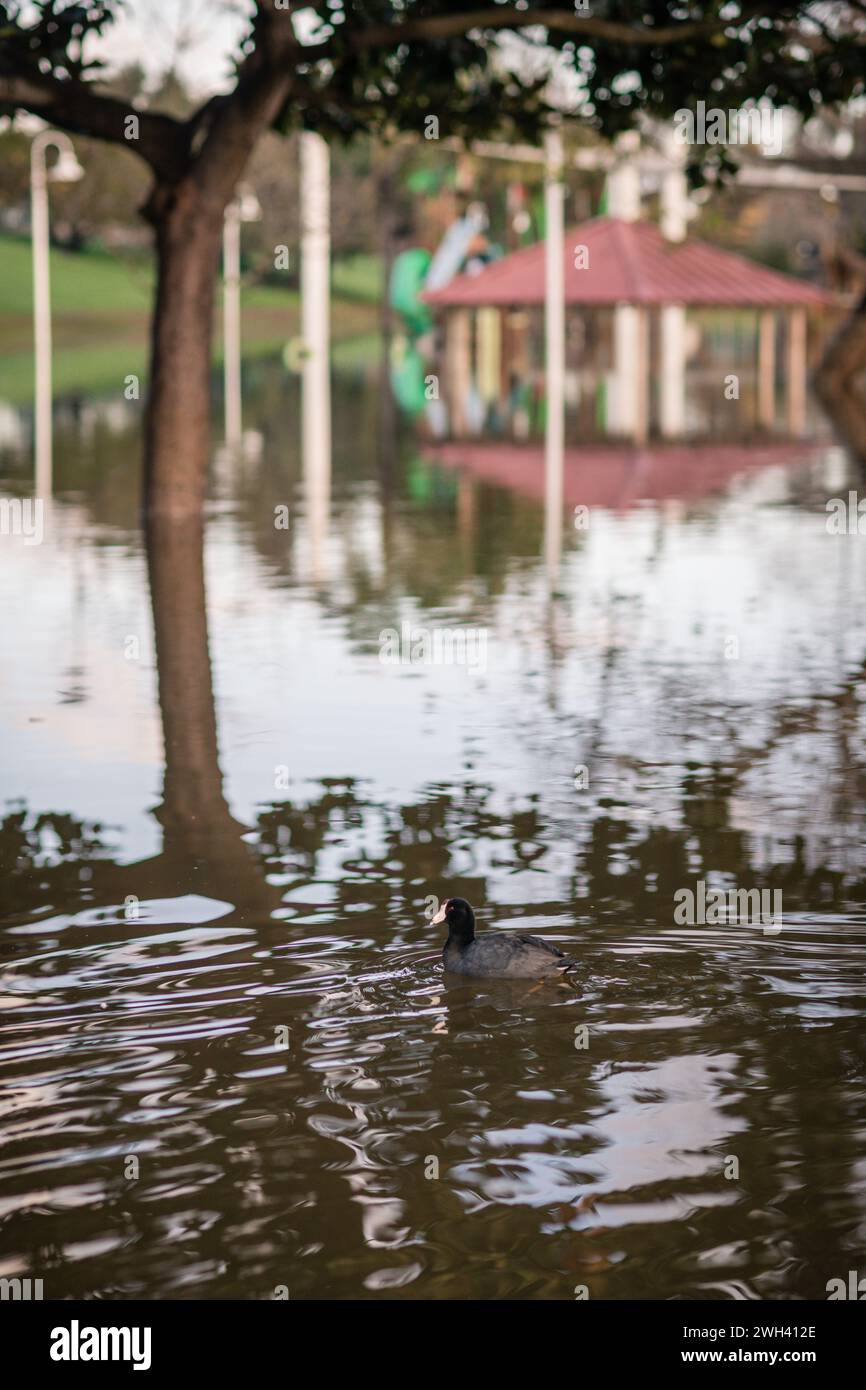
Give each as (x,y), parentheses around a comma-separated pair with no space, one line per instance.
(86,283)
(358,277)
(101,306)
(96,281)
(76,369)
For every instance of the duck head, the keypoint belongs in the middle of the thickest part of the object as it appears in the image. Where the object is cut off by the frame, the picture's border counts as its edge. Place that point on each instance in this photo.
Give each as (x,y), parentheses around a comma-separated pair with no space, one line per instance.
(460,919)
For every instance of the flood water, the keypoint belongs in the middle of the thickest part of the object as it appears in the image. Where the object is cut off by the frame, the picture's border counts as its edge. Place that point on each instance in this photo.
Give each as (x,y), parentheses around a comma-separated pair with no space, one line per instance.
(231,1064)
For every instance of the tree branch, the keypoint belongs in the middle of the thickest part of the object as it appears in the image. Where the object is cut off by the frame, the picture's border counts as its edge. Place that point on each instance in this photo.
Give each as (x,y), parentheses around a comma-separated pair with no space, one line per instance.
(74,106)
(226,129)
(508,17)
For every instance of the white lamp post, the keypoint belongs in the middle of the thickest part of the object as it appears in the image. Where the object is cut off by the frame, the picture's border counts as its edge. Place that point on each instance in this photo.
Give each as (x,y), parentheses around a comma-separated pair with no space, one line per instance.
(243,208)
(554,354)
(315,330)
(676,209)
(66,170)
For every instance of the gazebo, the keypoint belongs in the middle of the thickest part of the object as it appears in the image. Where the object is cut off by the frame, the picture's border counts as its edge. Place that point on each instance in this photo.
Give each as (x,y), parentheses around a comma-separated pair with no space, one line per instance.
(638,287)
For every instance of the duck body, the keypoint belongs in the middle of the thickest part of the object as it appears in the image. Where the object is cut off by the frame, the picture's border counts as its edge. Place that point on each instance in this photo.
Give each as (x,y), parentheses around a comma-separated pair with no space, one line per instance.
(504,956)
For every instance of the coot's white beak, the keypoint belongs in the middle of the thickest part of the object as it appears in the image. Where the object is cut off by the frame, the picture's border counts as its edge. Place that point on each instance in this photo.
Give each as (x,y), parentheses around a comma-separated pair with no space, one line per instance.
(440,915)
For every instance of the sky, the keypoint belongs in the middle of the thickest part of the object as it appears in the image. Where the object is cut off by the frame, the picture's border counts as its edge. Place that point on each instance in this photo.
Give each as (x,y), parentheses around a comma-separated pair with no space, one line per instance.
(198,37)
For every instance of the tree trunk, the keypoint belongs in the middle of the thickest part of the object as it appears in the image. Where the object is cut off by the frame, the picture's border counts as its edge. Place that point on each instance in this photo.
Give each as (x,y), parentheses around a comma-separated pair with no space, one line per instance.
(177,418)
(845,357)
(847,410)
(187,215)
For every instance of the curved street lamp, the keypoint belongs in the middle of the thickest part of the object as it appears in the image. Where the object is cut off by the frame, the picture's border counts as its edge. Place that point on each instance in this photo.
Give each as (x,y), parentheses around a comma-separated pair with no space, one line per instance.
(66,170)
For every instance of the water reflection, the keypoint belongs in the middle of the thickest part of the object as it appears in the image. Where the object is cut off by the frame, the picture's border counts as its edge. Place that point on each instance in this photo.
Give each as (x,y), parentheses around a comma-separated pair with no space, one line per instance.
(202,848)
(620,477)
(316,412)
(252,1006)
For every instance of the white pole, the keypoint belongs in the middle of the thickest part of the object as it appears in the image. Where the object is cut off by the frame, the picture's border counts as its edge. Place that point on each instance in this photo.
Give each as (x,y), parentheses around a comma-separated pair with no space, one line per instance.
(767,369)
(675,204)
(232,323)
(623,181)
(675,210)
(315,330)
(796,365)
(623,404)
(554,340)
(672,377)
(41,312)
(624,202)
(67,169)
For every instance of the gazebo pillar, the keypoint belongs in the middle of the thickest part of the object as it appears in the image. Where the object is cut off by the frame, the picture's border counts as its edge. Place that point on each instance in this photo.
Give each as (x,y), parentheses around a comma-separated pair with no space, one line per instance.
(630,395)
(519,367)
(489,352)
(767,369)
(458,353)
(642,385)
(796,370)
(672,366)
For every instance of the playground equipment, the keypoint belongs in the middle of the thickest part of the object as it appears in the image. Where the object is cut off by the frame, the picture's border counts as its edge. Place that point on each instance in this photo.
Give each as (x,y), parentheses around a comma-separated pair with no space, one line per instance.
(415,271)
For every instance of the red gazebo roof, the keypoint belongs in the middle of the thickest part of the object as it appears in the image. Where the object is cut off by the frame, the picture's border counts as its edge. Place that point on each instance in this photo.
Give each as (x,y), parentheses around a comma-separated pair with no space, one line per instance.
(631,263)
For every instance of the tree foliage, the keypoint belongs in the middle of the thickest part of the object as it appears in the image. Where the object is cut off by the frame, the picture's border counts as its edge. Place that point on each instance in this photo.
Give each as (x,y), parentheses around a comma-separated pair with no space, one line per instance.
(379,66)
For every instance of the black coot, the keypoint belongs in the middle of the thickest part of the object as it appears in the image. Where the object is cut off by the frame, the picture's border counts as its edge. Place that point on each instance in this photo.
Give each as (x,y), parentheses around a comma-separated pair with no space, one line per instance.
(504,955)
